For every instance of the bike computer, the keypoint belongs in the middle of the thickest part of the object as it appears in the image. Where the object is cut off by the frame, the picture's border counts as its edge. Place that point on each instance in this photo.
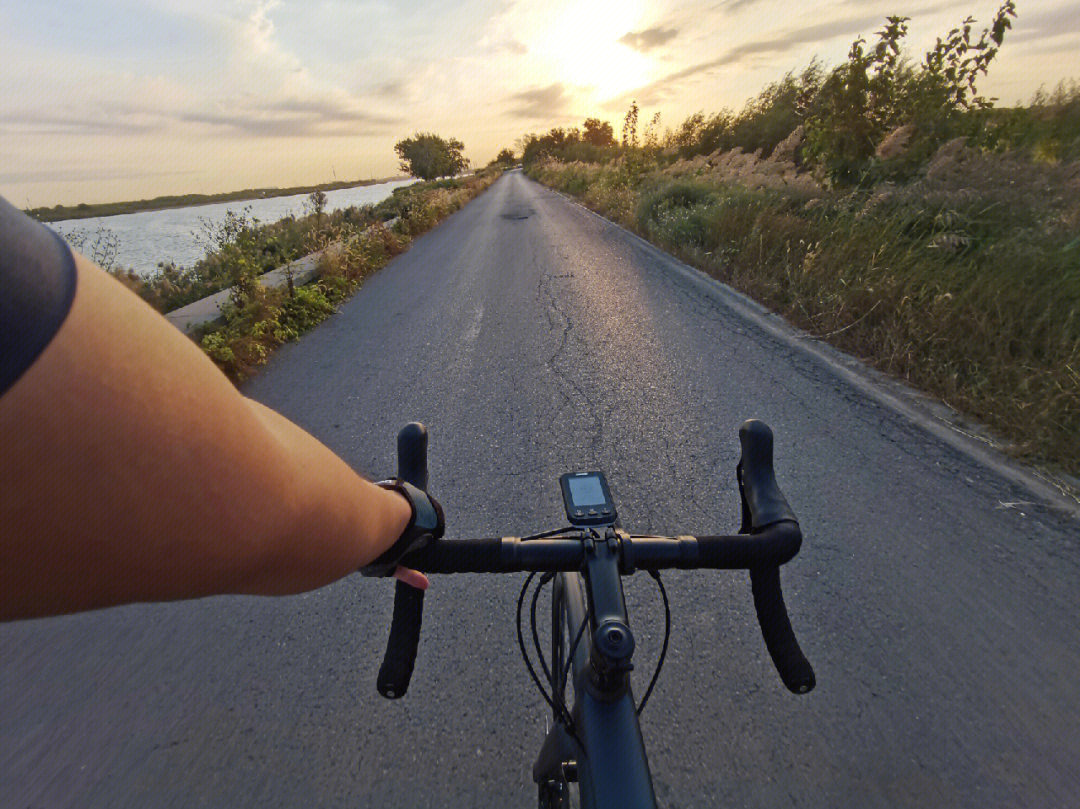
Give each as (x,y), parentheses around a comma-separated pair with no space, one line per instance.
(587,498)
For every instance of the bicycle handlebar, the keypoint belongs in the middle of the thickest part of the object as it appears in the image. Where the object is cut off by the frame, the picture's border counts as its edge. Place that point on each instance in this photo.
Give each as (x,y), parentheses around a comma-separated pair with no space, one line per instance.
(770,536)
(763,507)
(568,553)
(400,658)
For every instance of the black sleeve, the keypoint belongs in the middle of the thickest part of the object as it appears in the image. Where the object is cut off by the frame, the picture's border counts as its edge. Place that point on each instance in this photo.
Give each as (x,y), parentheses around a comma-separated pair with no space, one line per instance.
(37,286)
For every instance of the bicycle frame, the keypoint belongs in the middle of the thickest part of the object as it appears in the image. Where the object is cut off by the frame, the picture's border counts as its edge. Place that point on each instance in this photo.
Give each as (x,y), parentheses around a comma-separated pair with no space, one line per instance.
(611,766)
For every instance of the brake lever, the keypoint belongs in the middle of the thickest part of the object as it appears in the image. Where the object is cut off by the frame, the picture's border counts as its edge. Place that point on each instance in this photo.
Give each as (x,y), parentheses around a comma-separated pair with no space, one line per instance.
(763,506)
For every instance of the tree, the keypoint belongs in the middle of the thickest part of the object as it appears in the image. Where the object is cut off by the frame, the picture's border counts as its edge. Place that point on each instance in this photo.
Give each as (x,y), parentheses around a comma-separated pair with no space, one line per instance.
(598,133)
(533,147)
(505,157)
(652,133)
(427,156)
(878,90)
(629,127)
(689,132)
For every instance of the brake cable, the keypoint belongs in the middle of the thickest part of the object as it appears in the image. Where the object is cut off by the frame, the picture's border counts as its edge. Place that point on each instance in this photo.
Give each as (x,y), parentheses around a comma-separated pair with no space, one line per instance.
(544,579)
(521,644)
(568,530)
(555,701)
(562,713)
(663,650)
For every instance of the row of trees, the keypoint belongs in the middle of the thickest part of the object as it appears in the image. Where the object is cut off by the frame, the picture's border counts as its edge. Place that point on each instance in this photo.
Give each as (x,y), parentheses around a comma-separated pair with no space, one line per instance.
(428,156)
(845,112)
(594,141)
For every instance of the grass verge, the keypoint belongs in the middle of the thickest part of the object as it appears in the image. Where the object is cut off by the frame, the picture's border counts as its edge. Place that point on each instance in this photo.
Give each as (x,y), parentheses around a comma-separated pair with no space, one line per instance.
(965,282)
(258,319)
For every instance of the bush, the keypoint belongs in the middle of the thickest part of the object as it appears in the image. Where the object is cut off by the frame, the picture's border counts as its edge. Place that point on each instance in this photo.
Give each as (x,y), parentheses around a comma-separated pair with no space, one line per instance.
(877,90)
(672,195)
(676,214)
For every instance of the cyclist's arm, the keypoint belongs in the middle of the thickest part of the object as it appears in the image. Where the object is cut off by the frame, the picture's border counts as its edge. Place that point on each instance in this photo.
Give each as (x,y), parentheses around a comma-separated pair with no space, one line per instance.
(132,470)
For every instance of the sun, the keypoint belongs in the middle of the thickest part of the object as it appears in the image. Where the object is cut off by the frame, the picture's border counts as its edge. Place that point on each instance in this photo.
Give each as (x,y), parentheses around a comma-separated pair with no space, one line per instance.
(581,45)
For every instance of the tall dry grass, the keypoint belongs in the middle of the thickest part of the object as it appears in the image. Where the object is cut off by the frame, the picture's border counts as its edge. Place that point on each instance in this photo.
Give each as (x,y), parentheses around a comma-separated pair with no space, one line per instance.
(964,282)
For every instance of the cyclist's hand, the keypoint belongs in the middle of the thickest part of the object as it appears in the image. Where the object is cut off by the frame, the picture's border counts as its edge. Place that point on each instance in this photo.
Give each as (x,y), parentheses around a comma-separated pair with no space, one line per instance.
(425,526)
(413,578)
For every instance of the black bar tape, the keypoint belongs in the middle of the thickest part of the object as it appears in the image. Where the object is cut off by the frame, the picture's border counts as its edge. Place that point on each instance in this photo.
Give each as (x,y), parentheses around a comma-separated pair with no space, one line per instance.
(775,545)
(400,657)
(458,556)
(788,658)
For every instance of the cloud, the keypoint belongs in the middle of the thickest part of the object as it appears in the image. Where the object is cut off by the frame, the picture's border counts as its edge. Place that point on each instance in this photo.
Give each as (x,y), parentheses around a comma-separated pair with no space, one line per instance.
(511,45)
(32,122)
(540,102)
(264,89)
(68,174)
(92,100)
(391,89)
(328,110)
(294,118)
(663,88)
(1043,25)
(733,5)
(800,36)
(649,38)
(276,116)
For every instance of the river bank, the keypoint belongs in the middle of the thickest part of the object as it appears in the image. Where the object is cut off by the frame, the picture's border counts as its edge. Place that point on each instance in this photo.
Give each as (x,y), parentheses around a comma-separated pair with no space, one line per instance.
(258,319)
(146,241)
(85,210)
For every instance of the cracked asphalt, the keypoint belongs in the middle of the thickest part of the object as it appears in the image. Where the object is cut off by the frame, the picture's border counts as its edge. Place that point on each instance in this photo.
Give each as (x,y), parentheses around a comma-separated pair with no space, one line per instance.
(937,603)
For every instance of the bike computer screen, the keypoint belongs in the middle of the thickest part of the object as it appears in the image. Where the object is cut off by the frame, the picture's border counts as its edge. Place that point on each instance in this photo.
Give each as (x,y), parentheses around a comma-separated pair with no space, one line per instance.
(587,498)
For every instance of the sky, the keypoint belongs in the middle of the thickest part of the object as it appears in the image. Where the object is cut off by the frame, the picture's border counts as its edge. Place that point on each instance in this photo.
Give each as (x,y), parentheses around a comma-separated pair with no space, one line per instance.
(126,99)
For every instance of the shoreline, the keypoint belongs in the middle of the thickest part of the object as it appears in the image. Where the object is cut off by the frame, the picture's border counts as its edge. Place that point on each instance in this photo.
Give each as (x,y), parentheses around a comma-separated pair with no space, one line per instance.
(84,210)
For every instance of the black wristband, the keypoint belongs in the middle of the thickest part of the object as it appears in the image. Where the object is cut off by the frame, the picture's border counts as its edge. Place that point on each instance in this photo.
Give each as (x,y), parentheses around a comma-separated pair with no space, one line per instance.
(425,525)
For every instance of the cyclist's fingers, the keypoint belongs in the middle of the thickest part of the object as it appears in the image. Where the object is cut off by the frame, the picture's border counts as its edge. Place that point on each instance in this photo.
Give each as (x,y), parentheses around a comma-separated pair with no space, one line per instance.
(413,578)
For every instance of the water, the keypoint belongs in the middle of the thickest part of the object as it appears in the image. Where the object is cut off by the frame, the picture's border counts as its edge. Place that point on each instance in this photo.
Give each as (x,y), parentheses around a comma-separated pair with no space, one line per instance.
(177,234)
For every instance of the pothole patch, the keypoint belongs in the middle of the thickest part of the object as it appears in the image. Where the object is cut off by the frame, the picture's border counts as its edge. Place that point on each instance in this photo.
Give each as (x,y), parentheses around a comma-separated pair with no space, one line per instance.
(517,214)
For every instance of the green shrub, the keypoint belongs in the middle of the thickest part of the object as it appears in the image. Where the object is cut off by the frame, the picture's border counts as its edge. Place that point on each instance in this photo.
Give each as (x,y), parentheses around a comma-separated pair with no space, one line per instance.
(673,203)
(878,90)
(307,307)
(680,193)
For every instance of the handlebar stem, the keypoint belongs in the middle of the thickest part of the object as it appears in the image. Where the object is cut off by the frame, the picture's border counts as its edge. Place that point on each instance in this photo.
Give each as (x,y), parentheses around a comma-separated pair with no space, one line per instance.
(612,642)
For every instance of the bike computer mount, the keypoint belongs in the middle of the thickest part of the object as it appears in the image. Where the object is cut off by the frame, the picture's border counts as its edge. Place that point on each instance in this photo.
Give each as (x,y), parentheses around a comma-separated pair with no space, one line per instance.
(587,498)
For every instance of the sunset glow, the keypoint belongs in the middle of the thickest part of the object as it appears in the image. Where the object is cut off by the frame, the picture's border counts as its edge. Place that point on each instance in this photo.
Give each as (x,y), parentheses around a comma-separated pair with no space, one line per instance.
(582,46)
(117,100)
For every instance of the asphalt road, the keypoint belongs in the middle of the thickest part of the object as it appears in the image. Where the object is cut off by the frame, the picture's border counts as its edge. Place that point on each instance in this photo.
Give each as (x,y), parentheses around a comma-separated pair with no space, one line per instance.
(938,605)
